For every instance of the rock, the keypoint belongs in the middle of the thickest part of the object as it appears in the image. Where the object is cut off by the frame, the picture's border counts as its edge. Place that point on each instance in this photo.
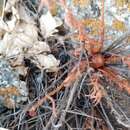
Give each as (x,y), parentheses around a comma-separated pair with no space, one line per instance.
(12,90)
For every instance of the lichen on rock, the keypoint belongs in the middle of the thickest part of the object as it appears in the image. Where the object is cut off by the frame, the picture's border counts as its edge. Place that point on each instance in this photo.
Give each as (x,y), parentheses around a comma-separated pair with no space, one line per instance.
(12,89)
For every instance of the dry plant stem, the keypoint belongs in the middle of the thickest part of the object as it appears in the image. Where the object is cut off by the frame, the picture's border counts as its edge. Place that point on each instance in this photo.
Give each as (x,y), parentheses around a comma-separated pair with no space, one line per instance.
(117,115)
(83,114)
(72,77)
(106,117)
(123,113)
(71,95)
(53,105)
(42,100)
(53,120)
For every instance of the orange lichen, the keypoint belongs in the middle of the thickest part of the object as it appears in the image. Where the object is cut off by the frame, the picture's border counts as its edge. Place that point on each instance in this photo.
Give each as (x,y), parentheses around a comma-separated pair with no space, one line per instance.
(9,91)
(81,3)
(120,3)
(6,93)
(119,25)
(93,24)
